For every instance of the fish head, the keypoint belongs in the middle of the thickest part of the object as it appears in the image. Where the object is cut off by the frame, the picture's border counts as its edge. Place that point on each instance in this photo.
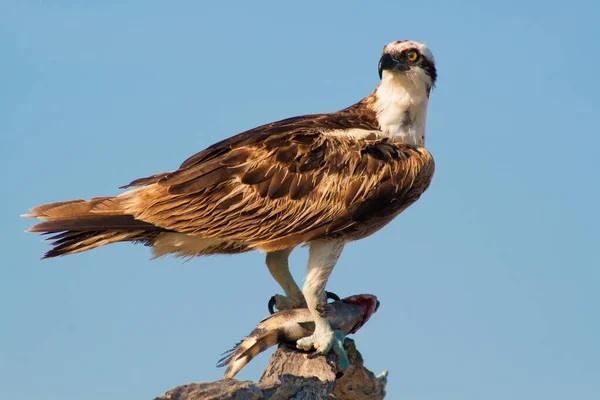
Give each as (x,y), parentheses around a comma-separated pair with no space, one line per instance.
(369,305)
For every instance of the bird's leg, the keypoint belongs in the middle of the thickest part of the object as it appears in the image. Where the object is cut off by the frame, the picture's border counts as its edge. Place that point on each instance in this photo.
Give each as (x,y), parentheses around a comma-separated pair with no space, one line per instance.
(322,258)
(277,261)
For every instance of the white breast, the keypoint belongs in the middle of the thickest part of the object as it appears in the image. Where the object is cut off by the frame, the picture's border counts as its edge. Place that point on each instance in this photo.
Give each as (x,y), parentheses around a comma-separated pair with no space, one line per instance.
(401,107)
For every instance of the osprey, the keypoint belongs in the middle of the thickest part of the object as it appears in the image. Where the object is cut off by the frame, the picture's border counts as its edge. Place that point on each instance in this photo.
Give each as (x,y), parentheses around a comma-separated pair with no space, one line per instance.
(322,180)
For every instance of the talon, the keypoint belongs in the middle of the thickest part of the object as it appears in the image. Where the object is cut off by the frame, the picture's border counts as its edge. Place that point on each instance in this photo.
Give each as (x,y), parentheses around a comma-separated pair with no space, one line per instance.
(332,296)
(271,304)
(281,303)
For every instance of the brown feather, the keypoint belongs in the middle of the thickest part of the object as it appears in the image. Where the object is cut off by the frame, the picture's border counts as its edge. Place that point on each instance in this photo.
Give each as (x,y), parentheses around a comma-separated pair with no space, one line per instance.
(287,153)
(319,198)
(82,225)
(236,157)
(93,223)
(300,186)
(272,187)
(280,184)
(259,174)
(200,182)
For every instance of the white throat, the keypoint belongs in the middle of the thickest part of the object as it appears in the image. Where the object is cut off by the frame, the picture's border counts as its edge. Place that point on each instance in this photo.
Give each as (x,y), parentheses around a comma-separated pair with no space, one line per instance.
(401,107)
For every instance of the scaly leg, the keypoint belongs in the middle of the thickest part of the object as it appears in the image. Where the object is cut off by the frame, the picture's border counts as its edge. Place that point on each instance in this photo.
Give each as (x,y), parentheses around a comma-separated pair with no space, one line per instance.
(322,258)
(277,261)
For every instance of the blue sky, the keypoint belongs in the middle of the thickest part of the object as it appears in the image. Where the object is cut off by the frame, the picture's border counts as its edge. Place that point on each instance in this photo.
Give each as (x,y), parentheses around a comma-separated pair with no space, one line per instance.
(488,284)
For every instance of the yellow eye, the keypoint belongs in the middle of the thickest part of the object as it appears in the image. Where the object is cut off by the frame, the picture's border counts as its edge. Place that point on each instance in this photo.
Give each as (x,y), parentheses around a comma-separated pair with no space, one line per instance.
(412,56)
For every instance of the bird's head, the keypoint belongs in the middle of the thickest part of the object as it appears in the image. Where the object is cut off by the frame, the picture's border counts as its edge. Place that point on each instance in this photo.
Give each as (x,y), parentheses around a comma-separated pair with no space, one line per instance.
(408,60)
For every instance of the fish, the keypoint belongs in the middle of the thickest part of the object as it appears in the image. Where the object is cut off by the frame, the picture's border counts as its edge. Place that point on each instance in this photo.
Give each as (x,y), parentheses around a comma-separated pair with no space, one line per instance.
(346,316)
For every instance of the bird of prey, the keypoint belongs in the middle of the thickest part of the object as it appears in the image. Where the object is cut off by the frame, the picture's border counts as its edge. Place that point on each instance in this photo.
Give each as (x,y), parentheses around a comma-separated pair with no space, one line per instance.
(323,180)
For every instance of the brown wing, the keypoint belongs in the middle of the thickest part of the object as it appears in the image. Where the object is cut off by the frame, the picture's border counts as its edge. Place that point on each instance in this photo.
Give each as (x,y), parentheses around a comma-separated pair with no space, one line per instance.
(286,188)
(353,117)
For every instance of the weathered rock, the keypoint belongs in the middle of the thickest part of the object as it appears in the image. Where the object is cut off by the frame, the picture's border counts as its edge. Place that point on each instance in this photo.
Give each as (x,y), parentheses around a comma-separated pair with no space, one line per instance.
(286,361)
(218,390)
(292,375)
(358,382)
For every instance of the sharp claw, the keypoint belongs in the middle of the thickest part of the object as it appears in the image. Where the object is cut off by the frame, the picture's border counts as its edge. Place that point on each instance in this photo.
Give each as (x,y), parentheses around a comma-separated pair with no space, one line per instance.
(332,296)
(271,305)
(280,303)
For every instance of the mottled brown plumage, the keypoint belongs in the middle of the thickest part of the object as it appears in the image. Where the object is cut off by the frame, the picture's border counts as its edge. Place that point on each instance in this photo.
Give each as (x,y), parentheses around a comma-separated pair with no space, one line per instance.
(269,188)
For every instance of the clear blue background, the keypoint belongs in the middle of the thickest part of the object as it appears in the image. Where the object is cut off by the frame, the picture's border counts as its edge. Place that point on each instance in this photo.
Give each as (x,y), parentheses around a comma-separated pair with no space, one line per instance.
(488,284)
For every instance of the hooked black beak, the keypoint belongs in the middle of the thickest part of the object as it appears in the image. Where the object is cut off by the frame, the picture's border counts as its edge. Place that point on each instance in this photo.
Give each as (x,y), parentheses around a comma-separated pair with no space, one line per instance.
(387,62)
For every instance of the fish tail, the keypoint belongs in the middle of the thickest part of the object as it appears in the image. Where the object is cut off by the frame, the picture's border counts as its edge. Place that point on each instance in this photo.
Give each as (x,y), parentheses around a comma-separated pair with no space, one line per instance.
(243,352)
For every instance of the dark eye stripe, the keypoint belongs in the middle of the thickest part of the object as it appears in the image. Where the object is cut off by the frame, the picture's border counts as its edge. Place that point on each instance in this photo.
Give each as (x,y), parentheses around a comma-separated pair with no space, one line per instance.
(429,67)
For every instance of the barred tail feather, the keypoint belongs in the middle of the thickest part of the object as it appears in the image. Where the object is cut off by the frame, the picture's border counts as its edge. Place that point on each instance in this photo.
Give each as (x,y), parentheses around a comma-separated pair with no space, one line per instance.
(81,225)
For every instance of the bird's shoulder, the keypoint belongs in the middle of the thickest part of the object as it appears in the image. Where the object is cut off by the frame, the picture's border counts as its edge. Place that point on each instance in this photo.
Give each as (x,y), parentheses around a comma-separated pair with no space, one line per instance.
(320,143)
(304,128)
(287,130)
